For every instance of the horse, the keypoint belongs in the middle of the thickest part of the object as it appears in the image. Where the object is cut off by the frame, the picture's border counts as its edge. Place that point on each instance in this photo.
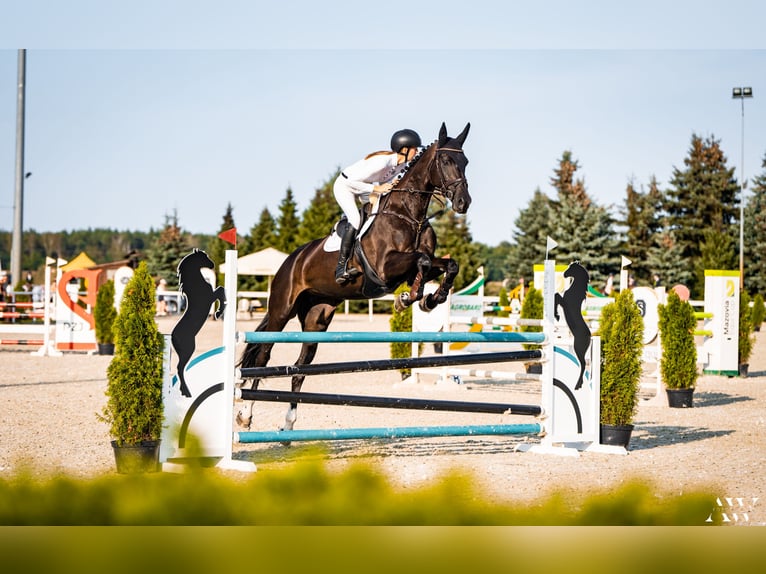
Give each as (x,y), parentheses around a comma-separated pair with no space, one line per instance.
(571,302)
(397,247)
(200,296)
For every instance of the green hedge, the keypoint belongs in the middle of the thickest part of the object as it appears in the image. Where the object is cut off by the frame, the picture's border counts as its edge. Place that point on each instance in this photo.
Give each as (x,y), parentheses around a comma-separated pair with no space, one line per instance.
(309,494)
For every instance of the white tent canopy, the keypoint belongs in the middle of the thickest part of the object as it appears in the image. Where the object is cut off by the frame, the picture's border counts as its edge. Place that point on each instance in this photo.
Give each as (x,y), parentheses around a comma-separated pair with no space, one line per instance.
(264,262)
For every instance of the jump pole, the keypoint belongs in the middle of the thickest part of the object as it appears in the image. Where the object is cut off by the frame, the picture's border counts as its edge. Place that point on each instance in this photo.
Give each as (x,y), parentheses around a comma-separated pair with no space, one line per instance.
(386,433)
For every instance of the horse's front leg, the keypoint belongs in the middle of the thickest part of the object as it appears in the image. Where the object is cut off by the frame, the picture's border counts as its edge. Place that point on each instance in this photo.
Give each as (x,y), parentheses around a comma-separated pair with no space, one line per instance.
(449,268)
(404,300)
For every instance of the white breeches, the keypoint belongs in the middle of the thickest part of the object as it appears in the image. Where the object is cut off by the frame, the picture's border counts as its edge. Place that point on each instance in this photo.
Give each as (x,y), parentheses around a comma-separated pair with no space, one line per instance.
(346,199)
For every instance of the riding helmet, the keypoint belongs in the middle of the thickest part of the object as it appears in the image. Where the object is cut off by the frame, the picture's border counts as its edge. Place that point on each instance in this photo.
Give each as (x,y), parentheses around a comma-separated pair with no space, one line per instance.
(404,138)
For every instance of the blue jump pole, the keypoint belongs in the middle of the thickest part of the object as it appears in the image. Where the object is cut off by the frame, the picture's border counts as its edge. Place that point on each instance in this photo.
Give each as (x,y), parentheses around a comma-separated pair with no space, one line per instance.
(393,337)
(385,433)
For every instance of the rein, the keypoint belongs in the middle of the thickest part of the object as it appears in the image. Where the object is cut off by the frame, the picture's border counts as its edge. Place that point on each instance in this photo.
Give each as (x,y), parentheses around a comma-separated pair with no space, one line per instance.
(440,193)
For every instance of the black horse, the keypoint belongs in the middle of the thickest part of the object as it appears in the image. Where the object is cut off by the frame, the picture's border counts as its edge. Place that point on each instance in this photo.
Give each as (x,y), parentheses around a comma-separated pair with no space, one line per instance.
(200,296)
(398,247)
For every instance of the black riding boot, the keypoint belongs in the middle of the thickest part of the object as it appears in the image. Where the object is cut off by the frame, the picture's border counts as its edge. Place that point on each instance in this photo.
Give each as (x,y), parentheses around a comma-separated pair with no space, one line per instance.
(347,242)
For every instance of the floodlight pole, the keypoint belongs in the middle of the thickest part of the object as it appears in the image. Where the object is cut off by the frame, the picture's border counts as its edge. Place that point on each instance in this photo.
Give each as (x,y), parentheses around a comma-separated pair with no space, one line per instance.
(18,198)
(741,93)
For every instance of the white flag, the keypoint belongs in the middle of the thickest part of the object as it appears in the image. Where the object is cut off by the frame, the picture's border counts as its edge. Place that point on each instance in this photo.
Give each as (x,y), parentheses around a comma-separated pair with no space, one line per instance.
(625,261)
(550,244)
(61,262)
(49,261)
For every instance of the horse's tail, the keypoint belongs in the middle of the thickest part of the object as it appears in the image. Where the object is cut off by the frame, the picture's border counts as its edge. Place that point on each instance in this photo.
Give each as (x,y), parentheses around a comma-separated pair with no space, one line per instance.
(252,349)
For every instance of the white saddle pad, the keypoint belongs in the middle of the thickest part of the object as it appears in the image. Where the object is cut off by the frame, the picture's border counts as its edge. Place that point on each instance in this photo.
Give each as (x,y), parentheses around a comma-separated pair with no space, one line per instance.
(332,243)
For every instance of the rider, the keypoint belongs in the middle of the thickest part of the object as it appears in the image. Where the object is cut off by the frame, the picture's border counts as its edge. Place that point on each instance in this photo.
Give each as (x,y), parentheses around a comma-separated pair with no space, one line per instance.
(371,175)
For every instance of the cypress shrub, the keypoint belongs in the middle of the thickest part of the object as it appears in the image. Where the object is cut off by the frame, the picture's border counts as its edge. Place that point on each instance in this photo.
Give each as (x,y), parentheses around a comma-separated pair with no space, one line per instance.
(104,313)
(746,339)
(759,312)
(532,308)
(401,321)
(134,376)
(622,331)
(678,364)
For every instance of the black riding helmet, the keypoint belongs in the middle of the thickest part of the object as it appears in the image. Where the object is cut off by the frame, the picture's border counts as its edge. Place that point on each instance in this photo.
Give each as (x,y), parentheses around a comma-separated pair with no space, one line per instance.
(404,138)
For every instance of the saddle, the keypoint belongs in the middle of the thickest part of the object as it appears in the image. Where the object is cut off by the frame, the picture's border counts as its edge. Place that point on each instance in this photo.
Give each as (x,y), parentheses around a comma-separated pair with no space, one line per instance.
(372,285)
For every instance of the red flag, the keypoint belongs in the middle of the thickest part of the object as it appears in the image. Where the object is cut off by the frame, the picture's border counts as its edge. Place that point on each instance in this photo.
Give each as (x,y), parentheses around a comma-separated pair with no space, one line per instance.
(229,235)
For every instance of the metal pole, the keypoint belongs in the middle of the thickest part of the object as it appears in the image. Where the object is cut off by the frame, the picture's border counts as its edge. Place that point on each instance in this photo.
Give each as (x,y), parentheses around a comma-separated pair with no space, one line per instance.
(387,364)
(742,205)
(18,201)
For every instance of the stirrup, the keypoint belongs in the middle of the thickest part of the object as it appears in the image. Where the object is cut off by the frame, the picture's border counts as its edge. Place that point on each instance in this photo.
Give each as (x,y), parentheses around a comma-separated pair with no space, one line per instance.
(342,275)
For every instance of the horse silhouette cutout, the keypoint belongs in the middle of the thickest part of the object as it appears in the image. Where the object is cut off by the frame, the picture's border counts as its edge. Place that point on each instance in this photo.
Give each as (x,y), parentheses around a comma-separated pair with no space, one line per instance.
(571,302)
(398,247)
(200,297)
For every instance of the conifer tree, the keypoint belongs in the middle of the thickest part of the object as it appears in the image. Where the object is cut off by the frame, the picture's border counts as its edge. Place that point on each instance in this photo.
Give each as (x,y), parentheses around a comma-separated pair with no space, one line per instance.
(702,196)
(322,213)
(262,234)
(584,230)
(454,239)
(532,228)
(665,258)
(287,223)
(755,235)
(717,251)
(166,252)
(643,220)
(218,247)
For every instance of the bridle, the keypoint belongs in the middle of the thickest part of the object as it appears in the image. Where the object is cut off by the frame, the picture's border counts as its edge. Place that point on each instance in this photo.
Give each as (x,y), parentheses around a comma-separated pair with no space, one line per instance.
(446,189)
(441,193)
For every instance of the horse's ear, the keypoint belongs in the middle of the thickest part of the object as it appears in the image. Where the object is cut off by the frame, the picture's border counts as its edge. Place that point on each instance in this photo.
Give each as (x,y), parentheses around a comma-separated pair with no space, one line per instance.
(442,135)
(464,134)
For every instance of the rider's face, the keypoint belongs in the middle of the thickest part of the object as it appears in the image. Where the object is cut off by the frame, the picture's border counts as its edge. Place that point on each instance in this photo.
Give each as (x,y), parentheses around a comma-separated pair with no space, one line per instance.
(402,156)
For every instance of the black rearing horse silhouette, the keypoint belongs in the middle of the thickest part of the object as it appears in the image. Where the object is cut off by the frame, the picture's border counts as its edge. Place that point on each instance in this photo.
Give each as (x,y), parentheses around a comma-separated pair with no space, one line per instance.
(398,247)
(200,297)
(571,301)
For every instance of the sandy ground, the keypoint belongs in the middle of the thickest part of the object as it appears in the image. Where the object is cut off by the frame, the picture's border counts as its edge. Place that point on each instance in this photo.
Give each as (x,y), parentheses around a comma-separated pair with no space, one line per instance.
(48,423)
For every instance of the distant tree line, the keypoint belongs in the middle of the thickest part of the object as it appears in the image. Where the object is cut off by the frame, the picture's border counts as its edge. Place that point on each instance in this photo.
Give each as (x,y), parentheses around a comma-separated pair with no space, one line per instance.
(675,233)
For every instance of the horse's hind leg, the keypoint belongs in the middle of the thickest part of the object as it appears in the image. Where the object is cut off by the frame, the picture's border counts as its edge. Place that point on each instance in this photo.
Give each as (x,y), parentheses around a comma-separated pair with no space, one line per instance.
(313,319)
(308,352)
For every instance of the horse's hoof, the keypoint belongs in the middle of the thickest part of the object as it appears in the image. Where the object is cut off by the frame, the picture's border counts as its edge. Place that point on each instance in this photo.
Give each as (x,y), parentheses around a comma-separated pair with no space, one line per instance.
(401,302)
(244,421)
(425,307)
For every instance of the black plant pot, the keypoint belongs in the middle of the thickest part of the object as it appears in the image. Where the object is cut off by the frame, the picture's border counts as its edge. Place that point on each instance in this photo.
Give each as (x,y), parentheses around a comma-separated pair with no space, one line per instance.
(135,459)
(743,369)
(106,348)
(534,368)
(680,398)
(616,435)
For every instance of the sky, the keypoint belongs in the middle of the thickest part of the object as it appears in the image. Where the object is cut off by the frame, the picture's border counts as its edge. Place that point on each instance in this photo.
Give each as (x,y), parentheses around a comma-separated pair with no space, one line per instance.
(130,118)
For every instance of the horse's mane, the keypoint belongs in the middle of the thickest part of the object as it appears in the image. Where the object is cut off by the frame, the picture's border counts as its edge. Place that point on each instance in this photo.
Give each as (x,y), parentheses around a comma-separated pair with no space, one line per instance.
(399,178)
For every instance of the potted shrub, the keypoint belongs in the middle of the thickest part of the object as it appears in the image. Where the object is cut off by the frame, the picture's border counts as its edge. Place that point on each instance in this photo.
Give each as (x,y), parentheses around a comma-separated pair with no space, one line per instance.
(532,308)
(621,328)
(401,321)
(678,364)
(134,379)
(759,312)
(746,338)
(104,315)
